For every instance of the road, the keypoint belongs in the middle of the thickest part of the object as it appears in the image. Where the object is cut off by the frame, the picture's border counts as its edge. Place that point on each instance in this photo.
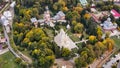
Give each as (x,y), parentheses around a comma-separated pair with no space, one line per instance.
(81,41)
(99,62)
(8,43)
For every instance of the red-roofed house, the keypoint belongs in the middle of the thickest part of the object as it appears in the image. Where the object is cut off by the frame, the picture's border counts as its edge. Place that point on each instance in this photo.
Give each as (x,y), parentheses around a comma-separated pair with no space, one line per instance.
(115,14)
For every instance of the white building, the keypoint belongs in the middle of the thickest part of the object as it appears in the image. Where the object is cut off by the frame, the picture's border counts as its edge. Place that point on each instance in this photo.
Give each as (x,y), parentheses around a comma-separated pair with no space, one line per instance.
(84,2)
(108,25)
(6,19)
(62,40)
(8,15)
(12,5)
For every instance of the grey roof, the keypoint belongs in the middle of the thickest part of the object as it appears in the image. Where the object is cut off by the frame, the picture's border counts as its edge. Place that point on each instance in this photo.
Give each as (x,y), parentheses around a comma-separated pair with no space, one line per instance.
(62,40)
(60,13)
(33,20)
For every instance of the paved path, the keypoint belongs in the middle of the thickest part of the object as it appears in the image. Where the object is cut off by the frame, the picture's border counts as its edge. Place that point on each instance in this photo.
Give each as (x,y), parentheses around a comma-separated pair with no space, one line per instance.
(106,58)
(81,41)
(25,58)
(4,51)
(8,43)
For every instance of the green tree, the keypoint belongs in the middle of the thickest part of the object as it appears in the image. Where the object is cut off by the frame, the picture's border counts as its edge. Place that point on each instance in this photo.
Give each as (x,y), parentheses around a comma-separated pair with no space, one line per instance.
(18,60)
(66,53)
(78,28)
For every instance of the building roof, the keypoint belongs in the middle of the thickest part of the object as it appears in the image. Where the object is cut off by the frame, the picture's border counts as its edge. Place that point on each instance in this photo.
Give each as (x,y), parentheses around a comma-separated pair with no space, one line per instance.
(62,40)
(13,4)
(83,2)
(115,13)
(59,15)
(33,20)
(7,14)
(108,25)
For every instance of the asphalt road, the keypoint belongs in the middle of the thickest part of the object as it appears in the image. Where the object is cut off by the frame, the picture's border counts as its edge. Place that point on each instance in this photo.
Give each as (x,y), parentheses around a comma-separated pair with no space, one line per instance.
(8,43)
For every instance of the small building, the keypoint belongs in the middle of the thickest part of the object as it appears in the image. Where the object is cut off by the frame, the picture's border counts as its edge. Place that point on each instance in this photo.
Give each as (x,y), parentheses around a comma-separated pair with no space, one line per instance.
(8,15)
(99,15)
(5,23)
(62,40)
(84,2)
(93,8)
(59,16)
(115,14)
(35,21)
(7,26)
(12,5)
(108,25)
(2,40)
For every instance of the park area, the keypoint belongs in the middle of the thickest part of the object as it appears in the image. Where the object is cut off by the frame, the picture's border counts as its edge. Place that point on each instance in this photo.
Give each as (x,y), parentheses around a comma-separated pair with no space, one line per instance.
(117,41)
(7,61)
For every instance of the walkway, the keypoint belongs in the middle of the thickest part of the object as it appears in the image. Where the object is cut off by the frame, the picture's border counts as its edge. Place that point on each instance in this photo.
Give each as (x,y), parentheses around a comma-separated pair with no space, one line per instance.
(8,43)
(81,41)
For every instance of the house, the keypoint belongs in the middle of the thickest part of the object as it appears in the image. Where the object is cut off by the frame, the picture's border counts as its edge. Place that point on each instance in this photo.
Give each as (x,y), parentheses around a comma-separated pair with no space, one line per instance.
(99,15)
(59,16)
(115,14)
(5,23)
(2,40)
(35,21)
(8,15)
(108,25)
(62,40)
(84,2)
(93,8)
(12,5)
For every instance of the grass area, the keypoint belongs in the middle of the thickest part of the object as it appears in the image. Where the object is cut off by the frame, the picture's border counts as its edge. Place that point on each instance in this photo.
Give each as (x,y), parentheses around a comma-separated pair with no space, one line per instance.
(117,42)
(49,32)
(27,53)
(0,28)
(74,38)
(7,61)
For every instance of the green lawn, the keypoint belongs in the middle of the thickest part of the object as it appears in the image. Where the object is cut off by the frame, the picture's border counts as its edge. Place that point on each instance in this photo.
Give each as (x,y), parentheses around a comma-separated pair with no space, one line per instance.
(27,53)
(7,61)
(49,32)
(117,41)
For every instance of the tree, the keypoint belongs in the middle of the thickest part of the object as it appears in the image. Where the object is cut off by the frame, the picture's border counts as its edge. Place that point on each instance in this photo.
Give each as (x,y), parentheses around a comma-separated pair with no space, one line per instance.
(79,62)
(23,64)
(18,60)
(87,16)
(99,33)
(92,39)
(109,43)
(84,54)
(78,28)
(66,53)
(36,53)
